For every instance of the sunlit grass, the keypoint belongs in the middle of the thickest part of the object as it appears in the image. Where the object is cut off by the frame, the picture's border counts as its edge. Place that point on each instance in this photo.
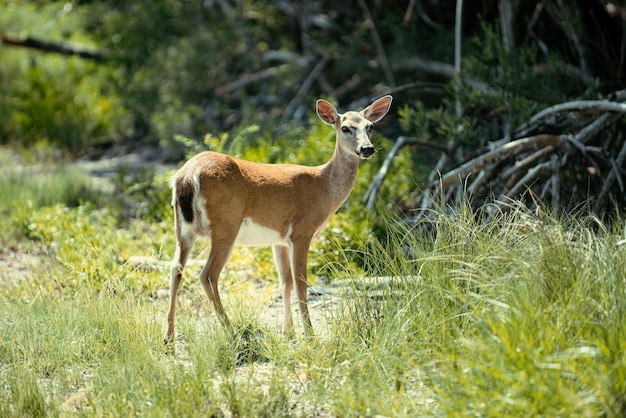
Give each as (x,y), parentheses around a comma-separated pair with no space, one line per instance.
(521,316)
(26,188)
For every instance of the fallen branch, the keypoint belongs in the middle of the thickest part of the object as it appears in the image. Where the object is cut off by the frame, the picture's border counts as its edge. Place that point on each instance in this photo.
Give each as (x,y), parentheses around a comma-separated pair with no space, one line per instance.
(530,176)
(54,47)
(511,172)
(580,105)
(576,151)
(502,153)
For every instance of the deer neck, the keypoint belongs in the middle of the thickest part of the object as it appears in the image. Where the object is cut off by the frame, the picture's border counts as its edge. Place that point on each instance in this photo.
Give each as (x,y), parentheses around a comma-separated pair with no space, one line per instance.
(340,174)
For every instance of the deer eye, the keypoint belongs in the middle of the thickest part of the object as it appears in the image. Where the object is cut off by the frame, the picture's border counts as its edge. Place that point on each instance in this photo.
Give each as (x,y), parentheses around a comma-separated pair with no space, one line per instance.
(345,129)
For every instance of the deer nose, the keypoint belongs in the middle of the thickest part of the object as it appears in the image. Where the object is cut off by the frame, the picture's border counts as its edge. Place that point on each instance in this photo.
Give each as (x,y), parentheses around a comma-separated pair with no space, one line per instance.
(367,152)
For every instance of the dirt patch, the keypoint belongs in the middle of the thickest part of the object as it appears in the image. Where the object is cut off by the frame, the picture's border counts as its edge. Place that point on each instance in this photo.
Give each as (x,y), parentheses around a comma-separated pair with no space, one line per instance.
(18,264)
(323,297)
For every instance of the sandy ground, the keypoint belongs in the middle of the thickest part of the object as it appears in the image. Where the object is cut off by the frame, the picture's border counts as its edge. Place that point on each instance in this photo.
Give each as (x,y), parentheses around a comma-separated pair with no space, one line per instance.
(17,264)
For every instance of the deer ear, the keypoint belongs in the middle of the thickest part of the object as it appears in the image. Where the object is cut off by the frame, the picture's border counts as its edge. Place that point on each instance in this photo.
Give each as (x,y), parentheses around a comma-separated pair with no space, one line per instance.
(377,110)
(326,112)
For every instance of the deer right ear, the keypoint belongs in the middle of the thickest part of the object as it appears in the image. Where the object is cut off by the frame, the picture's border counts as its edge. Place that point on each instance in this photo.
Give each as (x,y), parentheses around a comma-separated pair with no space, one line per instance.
(377,110)
(326,112)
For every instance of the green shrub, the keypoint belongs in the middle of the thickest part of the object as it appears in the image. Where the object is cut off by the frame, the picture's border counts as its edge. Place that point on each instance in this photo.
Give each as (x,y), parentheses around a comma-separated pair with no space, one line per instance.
(28,188)
(59,101)
(143,195)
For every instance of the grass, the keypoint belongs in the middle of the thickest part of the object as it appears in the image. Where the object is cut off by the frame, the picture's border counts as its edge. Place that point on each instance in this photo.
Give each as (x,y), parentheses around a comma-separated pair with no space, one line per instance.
(523,316)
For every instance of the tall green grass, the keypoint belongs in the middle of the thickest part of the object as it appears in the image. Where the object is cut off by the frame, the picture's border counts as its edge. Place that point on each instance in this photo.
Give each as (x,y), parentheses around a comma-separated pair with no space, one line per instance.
(26,188)
(524,315)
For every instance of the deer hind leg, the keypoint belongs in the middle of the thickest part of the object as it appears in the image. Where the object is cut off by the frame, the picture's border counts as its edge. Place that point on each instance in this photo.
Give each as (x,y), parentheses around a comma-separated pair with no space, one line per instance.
(299,254)
(283,265)
(183,247)
(210,273)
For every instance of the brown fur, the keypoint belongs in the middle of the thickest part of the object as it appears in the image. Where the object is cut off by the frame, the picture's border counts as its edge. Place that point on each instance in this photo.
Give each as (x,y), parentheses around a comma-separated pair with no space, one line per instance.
(294,201)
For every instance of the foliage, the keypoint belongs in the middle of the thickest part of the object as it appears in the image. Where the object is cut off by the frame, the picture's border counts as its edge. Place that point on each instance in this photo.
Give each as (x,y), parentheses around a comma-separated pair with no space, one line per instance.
(537,299)
(55,103)
(492,150)
(143,195)
(507,101)
(252,71)
(64,102)
(28,188)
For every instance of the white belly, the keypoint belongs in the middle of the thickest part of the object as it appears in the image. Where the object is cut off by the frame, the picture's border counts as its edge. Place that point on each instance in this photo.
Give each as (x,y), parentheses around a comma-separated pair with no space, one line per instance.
(251,234)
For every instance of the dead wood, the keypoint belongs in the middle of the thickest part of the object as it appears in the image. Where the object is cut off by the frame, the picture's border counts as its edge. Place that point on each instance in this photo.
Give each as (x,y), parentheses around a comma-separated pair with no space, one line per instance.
(298,101)
(382,54)
(49,46)
(570,152)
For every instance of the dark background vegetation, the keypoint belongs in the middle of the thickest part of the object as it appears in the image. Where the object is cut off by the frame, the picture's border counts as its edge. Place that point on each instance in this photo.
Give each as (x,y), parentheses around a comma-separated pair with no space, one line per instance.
(94,78)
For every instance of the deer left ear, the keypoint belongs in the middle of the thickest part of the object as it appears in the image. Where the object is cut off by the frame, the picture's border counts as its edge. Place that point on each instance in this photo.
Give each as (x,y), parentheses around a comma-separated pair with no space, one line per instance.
(377,110)
(326,112)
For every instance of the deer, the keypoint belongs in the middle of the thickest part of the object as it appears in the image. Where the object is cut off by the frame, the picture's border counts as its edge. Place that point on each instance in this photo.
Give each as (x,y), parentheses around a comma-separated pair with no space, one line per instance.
(237,202)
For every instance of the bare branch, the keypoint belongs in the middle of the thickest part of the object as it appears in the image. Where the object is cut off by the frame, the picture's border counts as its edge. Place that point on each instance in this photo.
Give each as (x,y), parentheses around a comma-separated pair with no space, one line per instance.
(409,13)
(595,128)
(372,190)
(339,92)
(440,70)
(54,47)
(409,140)
(304,88)
(615,173)
(555,183)
(498,154)
(580,105)
(622,51)
(378,43)
(457,48)
(530,176)
(506,24)
(533,21)
(510,173)
(431,88)
(423,16)
(481,179)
